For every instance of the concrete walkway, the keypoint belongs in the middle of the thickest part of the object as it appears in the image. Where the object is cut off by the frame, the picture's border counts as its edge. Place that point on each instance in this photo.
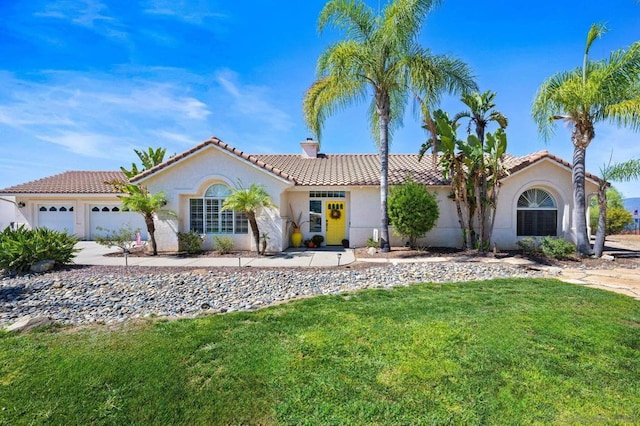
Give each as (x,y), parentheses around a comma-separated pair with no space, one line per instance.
(92,253)
(620,280)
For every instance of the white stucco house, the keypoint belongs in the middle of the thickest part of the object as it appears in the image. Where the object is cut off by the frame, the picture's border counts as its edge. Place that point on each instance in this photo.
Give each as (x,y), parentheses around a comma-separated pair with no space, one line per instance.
(337,194)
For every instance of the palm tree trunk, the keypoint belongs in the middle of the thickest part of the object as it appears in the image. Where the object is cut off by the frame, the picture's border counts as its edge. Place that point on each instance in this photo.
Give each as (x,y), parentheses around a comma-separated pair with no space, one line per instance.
(151,229)
(580,201)
(598,247)
(383,111)
(254,229)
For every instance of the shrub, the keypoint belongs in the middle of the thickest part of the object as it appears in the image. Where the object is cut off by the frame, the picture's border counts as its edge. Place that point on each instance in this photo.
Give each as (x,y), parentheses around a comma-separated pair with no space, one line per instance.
(372,243)
(191,242)
(530,246)
(413,211)
(317,240)
(617,219)
(124,238)
(557,248)
(223,245)
(20,248)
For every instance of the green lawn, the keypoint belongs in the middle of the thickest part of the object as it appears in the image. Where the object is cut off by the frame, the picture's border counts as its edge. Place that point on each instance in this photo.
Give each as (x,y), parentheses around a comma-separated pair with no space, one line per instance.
(494,352)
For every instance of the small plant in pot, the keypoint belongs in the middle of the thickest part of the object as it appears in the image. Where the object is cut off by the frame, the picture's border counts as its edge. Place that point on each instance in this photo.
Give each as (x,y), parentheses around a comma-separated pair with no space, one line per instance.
(317,240)
(345,243)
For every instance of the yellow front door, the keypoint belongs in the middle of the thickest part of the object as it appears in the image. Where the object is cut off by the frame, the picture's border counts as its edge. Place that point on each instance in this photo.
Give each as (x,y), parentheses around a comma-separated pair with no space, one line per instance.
(336,216)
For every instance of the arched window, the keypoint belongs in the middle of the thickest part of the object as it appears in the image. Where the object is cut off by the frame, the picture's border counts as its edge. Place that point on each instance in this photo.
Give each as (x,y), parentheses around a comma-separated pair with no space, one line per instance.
(207,217)
(537,213)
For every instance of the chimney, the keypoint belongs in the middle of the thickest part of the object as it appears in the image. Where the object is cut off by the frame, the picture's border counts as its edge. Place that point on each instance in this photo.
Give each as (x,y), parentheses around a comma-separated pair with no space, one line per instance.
(310,148)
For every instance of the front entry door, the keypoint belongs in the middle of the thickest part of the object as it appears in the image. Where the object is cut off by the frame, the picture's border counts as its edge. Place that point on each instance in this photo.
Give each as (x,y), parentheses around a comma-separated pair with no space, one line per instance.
(336,220)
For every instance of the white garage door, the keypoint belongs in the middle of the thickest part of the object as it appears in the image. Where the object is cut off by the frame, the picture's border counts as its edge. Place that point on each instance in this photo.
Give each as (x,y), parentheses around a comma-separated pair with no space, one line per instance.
(56,216)
(112,217)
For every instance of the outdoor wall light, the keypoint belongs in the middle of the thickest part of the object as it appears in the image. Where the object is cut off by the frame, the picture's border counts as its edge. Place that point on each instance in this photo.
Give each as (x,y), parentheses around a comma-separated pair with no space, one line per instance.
(21,204)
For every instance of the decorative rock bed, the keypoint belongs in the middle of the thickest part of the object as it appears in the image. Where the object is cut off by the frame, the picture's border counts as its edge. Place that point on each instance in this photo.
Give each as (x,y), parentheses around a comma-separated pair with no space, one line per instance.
(112,294)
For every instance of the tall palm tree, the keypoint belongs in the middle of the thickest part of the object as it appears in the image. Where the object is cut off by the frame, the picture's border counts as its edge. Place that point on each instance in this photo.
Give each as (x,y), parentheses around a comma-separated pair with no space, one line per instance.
(481,112)
(249,200)
(600,91)
(620,172)
(380,58)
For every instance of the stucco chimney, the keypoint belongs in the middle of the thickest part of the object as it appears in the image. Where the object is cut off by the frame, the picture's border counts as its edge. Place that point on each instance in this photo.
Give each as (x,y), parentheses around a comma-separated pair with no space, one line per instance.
(310,148)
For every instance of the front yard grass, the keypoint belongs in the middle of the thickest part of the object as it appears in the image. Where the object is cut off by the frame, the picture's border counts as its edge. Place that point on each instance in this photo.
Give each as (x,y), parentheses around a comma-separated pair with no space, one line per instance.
(510,351)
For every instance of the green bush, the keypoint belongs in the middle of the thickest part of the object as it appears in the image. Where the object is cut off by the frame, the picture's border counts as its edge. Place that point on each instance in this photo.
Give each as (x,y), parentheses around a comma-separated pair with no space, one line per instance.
(617,219)
(20,248)
(413,211)
(223,245)
(191,242)
(557,248)
(530,246)
(317,240)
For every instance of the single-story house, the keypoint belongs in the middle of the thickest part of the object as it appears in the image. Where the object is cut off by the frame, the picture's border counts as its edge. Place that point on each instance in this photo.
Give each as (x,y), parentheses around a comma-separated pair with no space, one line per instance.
(337,194)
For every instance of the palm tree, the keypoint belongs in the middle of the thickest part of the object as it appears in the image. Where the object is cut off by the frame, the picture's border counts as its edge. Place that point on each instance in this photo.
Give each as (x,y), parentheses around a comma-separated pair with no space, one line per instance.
(620,172)
(600,91)
(139,199)
(481,112)
(150,158)
(249,200)
(462,162)
(380,58)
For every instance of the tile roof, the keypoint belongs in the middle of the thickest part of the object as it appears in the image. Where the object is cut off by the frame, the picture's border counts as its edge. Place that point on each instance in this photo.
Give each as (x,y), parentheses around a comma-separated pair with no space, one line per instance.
(514,164)
(326,170)
(72,182)
(354,169)
(213,142)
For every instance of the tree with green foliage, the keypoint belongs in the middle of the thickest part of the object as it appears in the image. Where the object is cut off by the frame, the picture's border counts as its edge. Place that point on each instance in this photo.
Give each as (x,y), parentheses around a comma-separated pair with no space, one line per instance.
(148,159)
(480,114)
(138,199)
(612,221)
(249,200)
(380,59)
(600,91)
(413,211)
(462,162)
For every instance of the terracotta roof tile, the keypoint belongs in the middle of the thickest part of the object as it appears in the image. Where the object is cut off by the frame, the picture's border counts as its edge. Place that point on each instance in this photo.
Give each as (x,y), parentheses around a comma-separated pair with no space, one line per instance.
(215,142)
(326,170)
(354,169)
(514,164)
(72,182)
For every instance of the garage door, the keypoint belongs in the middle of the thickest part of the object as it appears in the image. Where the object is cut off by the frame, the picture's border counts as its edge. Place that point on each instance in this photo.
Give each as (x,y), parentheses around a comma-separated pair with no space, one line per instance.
(112,217)
(56,216)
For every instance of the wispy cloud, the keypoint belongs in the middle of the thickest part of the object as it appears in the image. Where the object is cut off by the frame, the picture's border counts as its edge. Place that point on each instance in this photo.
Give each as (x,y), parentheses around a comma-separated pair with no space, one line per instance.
(91,14)
(190,11)
(253,101)
(99,116)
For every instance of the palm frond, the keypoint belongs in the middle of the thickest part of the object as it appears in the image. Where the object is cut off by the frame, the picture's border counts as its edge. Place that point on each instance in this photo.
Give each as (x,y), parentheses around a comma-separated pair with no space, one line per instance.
(328,95)
(354,17)
(432,75)
(402,21)
(622,172)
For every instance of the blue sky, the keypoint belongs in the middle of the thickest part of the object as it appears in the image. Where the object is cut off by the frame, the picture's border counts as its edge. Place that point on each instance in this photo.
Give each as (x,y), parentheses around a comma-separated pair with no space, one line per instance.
(83,83)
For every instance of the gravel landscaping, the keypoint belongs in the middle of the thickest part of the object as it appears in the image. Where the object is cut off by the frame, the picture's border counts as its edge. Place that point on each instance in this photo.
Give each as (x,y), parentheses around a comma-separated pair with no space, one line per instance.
(107,294)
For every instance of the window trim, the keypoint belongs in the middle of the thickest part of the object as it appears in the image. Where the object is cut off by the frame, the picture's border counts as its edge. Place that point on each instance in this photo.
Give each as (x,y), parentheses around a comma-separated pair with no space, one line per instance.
(211,219)
(539,201)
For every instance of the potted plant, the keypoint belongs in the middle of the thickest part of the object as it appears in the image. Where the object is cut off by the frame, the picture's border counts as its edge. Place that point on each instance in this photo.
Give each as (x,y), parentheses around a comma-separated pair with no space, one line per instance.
(345,243)
(317,240)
